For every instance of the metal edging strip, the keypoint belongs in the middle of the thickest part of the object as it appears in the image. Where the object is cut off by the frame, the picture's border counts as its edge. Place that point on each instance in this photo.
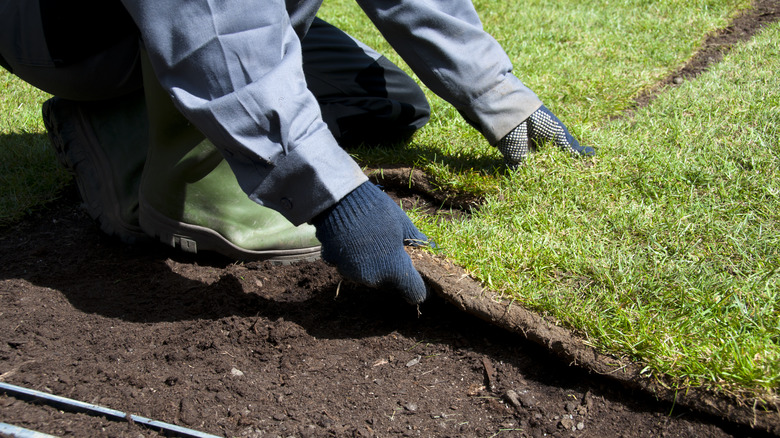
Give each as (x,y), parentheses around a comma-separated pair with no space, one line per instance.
(78,406)
(20,432)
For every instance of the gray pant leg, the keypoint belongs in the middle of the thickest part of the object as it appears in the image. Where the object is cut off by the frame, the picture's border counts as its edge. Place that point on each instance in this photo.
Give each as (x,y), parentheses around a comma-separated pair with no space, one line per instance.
(112,71)
(363,96)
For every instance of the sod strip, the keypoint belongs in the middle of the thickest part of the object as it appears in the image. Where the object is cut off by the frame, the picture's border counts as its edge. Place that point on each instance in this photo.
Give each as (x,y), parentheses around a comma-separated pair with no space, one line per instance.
(456,286)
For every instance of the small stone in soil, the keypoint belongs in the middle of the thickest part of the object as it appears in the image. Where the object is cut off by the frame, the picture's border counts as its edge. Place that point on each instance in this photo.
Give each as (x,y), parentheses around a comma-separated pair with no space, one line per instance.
(567,423)
(413,362)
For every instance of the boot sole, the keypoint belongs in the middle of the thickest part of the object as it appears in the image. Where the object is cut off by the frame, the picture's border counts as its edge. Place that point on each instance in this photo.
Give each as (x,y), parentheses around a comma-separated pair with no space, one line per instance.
(194,239)
(88,165)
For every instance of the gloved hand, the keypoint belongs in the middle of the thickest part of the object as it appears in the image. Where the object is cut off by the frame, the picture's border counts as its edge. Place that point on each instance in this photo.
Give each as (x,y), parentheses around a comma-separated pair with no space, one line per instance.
(541,126)
(364,234)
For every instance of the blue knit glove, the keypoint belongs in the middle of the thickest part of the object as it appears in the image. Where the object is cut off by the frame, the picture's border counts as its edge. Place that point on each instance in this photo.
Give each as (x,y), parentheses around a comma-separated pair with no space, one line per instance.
(364,234)
(540,127)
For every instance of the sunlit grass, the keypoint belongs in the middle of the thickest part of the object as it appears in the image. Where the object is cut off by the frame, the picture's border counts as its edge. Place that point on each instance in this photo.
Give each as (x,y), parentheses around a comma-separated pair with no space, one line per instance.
(665,247)
(29,173)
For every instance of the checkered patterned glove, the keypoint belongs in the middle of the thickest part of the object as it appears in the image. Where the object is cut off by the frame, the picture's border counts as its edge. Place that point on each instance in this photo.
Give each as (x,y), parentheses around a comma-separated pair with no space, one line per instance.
(540,127)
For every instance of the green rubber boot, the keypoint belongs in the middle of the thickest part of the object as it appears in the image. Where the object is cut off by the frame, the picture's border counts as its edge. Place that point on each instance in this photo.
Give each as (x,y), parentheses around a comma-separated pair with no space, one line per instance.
(190,198)
(103,144)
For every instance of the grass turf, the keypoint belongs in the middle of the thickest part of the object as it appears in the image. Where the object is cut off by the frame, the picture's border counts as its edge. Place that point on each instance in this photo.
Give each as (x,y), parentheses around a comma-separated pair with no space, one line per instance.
(662,249)
(29,173)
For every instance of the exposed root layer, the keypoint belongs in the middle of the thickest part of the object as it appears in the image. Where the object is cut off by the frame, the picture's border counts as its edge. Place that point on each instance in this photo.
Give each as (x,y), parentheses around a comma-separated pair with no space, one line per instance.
(456,286)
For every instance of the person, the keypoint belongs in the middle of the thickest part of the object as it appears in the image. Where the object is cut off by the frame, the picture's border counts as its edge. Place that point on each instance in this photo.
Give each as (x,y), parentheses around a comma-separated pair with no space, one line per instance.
(99,126)
(235,73)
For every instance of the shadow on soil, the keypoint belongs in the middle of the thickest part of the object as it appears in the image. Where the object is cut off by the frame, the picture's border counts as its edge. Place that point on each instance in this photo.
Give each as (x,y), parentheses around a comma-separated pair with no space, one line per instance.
(92,319)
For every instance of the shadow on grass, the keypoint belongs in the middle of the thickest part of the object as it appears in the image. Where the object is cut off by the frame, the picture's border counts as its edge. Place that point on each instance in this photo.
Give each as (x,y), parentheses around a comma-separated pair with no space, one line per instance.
(30,176)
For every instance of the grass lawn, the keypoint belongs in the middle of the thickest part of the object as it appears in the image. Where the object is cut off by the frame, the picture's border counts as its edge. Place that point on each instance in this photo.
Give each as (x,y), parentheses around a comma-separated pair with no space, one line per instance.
(662,249)
(665,248)
(29,173)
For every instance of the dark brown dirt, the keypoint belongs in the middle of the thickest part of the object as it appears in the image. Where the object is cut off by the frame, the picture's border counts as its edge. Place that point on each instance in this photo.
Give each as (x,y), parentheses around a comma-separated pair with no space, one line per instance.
(262,350)
(259,350)
(414,189)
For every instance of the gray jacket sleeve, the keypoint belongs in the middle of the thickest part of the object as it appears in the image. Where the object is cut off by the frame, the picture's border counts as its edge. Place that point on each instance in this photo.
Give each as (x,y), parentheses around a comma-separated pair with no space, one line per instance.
(444,43)
(234,70)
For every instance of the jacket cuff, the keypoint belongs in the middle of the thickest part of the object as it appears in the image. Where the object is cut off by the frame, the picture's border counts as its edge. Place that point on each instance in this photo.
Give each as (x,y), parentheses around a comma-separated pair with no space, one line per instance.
(309,179)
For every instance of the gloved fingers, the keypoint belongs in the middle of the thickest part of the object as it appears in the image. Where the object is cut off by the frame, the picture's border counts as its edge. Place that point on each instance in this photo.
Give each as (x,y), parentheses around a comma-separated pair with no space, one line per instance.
(410,284)
(363,235)
(415,237)
(514,146)
(544,125)
(411,235)
(399,274)
(421,241)
(567,143)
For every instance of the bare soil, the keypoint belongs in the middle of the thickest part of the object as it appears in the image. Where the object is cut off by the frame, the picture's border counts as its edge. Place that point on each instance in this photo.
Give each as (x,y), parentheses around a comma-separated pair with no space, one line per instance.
(259,350)
(263,350)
